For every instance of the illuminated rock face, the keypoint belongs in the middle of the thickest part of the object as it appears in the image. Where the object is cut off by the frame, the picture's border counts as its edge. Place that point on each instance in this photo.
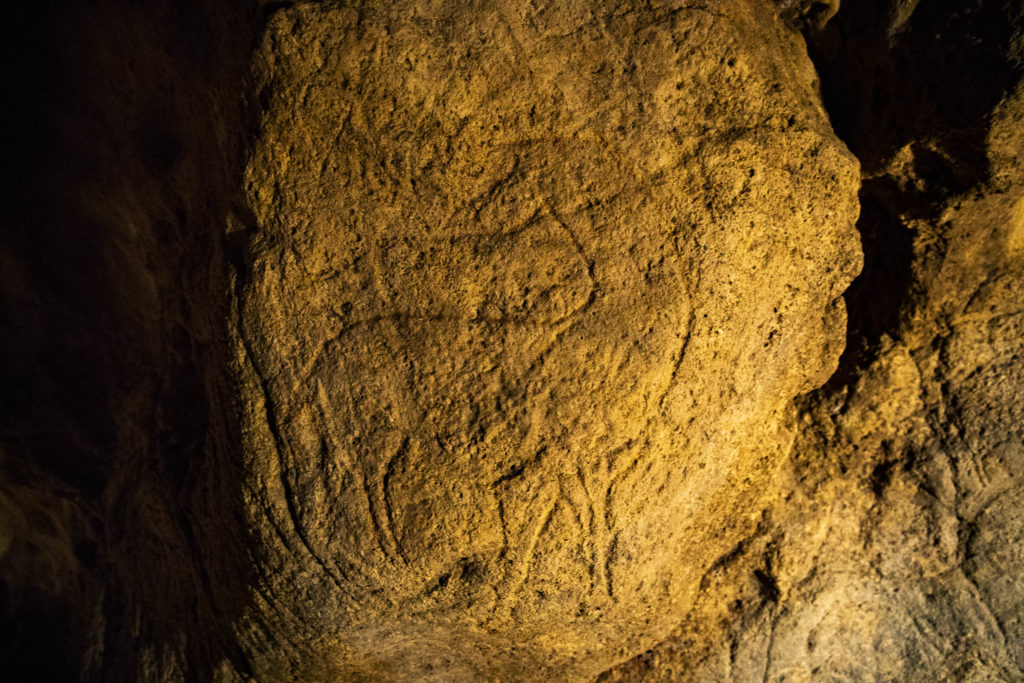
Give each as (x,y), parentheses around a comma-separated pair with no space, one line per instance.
(894,549)
(524,294)
(487,376)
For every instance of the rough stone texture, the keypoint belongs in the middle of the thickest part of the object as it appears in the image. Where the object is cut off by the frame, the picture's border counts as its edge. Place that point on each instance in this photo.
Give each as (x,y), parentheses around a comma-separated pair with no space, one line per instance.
(412,341)
(521,286)
(896,548)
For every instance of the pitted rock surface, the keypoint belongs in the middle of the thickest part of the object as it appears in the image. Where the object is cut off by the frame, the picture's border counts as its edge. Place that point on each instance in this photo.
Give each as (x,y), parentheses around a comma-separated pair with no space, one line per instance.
(459,341)
(894,548)
(522,285)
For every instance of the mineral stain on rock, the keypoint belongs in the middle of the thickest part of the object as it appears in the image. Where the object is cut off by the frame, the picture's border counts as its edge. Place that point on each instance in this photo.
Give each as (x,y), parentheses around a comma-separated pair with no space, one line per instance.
(505,341)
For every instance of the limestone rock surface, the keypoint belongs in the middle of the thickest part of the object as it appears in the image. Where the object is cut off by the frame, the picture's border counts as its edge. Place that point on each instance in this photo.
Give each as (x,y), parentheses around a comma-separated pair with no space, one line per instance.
(895,549)
(504,341)
(521,286)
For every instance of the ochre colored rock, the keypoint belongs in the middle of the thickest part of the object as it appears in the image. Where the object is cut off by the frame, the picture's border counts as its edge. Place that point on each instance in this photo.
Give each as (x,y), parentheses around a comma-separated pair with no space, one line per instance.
(894,550)
(460,341)
(521,288)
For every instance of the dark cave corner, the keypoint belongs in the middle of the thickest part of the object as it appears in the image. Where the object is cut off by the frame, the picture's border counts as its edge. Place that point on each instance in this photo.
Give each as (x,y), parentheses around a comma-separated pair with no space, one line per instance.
(123,149)
(887,87)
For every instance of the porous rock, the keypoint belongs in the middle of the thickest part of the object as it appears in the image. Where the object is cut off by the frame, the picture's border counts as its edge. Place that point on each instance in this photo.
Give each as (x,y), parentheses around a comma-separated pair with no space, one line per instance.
(520,287)
(460,341)
(893,551)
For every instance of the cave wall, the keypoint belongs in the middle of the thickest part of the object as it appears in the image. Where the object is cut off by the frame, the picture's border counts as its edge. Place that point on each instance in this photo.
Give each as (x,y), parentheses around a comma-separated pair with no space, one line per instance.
(521,287)
(884,542)
(123,142)
(894,552)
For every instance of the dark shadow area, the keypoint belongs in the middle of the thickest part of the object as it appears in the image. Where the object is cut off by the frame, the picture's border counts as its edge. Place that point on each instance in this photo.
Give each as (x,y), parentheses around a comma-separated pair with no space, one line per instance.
(124,145)
(896,74)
